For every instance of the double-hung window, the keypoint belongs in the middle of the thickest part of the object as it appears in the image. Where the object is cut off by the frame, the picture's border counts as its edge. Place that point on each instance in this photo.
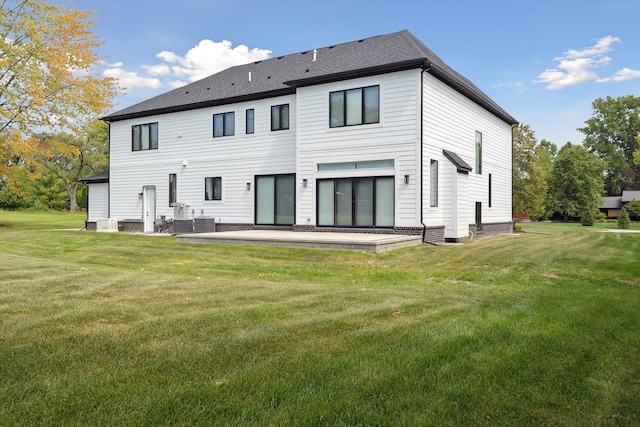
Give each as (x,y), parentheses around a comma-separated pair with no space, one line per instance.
(280,117)
(213,188)
(224,124)
(354,106)
(144,137)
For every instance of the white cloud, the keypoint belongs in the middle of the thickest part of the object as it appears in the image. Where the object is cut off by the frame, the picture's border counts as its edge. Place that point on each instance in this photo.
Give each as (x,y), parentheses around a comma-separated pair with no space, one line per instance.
(622,75)
(157,70)
(131,80)
(175,70)
(209,57)
(577,66)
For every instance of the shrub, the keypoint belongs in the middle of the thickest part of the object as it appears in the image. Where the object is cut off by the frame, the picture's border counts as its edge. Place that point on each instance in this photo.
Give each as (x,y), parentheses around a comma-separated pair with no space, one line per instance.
(601,217)
(623,220)
(633,209)
(517,226)
(12,202)
(587,218)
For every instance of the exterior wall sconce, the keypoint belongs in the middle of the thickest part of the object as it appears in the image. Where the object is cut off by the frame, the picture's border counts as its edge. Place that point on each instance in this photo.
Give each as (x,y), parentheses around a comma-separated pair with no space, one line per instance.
(140,196)
(304,182)
(248,186)
(184,163)
(406,179)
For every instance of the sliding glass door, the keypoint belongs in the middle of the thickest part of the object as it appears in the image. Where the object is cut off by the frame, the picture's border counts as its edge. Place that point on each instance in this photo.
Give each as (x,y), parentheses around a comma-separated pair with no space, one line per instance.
(275,199)
(356,202)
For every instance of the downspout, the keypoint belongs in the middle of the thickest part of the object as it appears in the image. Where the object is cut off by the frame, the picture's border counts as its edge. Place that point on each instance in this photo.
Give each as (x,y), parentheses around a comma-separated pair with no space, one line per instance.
(425,67)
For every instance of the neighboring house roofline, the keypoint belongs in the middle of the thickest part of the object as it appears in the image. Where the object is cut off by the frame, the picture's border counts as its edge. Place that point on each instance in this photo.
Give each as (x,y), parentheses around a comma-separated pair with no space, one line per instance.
(282,75)
(100,177)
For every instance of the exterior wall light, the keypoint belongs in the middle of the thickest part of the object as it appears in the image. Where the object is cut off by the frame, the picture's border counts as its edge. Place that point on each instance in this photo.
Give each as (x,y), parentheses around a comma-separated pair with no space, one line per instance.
(304,182)
(248,186)
(406,179)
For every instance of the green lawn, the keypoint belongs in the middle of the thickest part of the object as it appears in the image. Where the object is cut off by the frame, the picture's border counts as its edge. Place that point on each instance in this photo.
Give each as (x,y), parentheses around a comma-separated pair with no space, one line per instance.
(121,329)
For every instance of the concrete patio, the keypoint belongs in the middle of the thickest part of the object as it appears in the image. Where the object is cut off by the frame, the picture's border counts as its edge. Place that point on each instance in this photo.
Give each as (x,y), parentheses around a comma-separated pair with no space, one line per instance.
(369,243)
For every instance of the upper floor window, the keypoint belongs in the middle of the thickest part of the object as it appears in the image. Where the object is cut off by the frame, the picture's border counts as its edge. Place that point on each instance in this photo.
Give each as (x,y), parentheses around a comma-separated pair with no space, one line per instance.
(280,117)
(213,188)
(144,137)
(478,152)
(250,116)
(224,124)
(354,107)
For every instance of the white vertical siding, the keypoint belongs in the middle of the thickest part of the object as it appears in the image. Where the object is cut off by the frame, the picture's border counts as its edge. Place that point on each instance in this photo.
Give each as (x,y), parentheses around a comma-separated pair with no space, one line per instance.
(450,121)
(188,136)
(98,202)
(395,137)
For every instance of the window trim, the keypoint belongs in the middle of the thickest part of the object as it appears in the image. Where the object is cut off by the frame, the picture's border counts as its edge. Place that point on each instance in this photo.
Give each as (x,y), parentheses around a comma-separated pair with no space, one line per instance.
(280,108)
(213,196)
(224,124)
(151,141)
(363,120)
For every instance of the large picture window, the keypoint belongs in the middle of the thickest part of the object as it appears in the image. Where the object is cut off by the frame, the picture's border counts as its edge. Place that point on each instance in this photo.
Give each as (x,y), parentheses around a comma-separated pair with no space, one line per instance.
(144,137)
(213,188)
(224,124)
(356,202)
(354,106)
(275,199)
(280,117)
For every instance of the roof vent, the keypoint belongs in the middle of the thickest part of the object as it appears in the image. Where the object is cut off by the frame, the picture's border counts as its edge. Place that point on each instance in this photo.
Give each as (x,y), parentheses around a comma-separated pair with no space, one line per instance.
(315,55)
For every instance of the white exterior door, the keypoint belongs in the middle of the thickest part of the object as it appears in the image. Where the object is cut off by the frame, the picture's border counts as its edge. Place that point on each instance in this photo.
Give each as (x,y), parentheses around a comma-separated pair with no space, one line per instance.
(149,208)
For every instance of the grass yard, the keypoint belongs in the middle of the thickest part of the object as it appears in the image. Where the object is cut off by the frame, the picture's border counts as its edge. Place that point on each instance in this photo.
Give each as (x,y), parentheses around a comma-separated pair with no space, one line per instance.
(121,329)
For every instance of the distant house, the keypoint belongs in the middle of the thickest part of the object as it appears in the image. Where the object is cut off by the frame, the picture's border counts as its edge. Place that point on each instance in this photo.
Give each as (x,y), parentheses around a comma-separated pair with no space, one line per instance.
(377,135)
(98,198)
(612,205)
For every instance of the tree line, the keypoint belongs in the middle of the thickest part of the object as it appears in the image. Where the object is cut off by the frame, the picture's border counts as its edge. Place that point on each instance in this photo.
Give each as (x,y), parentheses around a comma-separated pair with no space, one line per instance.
(571,181)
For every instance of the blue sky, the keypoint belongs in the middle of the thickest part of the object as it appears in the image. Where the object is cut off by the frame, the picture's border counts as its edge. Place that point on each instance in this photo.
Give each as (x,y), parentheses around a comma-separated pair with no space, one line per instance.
(543,61)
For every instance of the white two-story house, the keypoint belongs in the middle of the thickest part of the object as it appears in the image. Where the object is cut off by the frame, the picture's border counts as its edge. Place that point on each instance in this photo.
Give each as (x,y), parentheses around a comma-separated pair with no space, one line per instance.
(377,135)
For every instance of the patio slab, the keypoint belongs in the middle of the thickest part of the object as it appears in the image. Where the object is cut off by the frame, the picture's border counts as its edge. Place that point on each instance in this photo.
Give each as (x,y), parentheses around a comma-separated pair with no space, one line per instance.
(370,243)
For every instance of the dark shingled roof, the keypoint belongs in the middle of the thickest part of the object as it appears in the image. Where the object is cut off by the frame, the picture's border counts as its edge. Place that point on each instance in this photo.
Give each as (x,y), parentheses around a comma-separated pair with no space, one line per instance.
(628,196)
(281,75)
(611,202)
(97,178)
(461,165)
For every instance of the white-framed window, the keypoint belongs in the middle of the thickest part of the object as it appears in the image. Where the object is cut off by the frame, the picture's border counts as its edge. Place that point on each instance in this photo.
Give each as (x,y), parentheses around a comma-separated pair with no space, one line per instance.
(354,106)
(213,188)
(144,137)
(224,124)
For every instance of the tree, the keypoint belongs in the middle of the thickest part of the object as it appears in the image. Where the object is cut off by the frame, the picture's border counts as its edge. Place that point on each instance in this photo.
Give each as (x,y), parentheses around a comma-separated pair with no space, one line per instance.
(47,77)
(71,158)
(575,182)
(623,219)
(612,133)
(587,218)
(633,209)
(529,177)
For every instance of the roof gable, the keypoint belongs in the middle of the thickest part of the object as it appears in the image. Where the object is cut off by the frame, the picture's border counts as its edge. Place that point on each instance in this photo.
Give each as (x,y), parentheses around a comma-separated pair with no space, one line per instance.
(281,75)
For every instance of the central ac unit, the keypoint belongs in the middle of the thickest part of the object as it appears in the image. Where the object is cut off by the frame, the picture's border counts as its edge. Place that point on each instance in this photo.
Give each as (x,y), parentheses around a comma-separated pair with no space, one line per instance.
(109,225)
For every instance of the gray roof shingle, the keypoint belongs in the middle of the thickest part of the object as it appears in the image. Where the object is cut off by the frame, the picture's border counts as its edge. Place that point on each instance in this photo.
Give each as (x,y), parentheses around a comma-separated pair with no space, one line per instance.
(628,196)
(281,75)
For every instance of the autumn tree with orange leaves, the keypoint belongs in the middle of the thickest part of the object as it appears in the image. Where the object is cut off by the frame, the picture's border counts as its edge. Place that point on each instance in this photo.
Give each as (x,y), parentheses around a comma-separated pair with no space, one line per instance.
(48,79)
